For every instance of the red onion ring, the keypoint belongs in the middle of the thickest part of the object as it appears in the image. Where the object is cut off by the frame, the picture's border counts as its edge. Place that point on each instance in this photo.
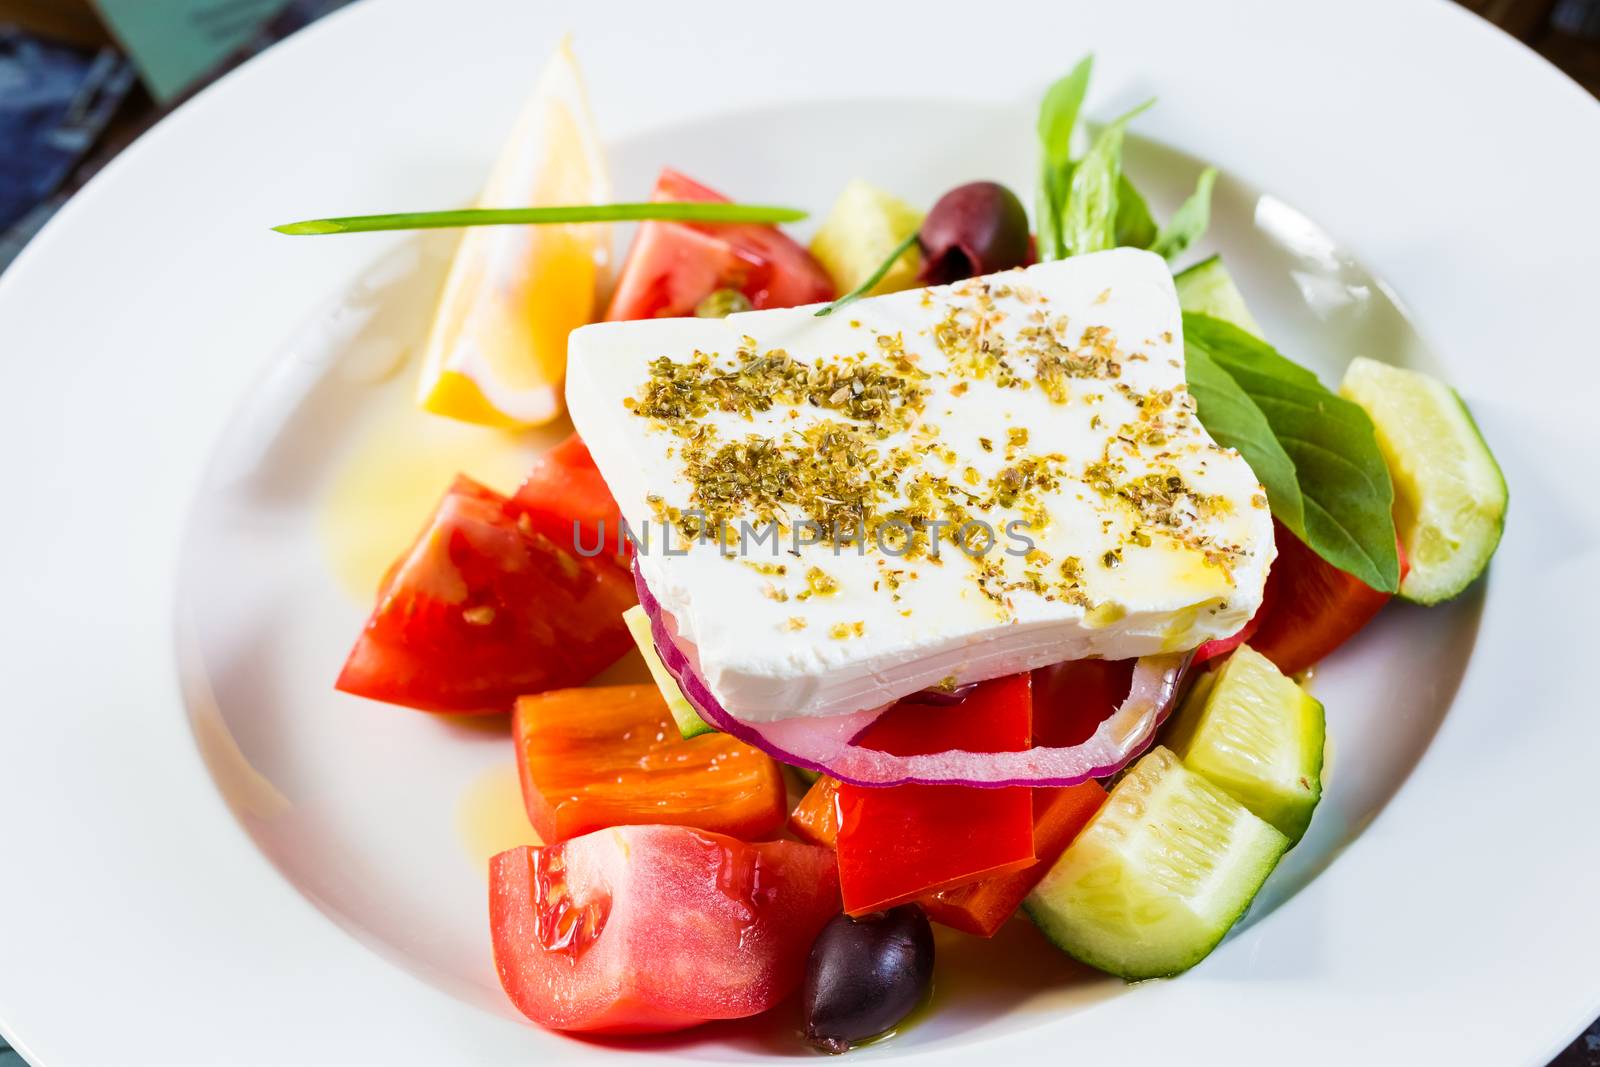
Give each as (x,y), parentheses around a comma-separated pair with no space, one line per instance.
(827,744)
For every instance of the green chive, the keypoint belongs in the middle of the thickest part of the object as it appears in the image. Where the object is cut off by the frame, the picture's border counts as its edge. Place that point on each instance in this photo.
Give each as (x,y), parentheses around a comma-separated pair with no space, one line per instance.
(434,220)
(872,279)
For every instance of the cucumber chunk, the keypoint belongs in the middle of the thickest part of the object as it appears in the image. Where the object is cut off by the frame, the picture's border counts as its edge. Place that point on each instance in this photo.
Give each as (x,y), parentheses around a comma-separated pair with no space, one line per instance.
(1160,874)
(1259,736)
(863,227)
(1207,288)
(690,724)
(1449,494)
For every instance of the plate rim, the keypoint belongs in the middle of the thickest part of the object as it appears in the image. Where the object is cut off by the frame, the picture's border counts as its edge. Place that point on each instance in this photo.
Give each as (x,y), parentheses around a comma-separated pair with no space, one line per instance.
(385,991)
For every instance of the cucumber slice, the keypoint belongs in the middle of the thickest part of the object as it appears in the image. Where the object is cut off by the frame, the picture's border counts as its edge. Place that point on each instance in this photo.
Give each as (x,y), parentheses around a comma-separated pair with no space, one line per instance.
(1450,497)
(1207,288)
(1160,874)
(1259,736)
(864,226)
(690,724)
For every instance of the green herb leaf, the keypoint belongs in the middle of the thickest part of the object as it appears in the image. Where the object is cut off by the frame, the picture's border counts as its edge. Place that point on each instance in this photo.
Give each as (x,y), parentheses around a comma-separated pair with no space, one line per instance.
(1234,421)
(1189,222)
(872,279)
(1346,495)
(1136,227)
(1088,221)
(1058,117)
(696,211)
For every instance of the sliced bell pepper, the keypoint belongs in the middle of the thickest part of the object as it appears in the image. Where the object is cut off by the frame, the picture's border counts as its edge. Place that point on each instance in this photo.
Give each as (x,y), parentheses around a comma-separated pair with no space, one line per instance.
(1310,607)
(1069,701)
(816,818)
(612,756)
(982,907)
(899,843)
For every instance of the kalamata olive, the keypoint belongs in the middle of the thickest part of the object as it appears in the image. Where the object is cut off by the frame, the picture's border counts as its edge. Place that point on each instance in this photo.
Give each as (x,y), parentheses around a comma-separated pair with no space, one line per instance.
(977,228)
(865,975)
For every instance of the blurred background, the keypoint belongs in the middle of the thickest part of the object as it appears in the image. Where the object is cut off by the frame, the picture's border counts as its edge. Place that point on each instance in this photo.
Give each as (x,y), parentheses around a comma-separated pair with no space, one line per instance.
(81,79)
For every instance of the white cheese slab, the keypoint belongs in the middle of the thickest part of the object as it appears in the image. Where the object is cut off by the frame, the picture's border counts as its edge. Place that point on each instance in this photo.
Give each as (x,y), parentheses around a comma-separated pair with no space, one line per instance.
(1185,565)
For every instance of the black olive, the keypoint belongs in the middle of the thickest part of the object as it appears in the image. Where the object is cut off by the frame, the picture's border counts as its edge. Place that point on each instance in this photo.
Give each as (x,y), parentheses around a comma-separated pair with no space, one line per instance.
(977,228)
(865,975)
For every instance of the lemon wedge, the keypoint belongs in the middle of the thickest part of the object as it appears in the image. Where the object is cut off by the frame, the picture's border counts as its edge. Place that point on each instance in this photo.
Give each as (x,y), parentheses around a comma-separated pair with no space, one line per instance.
(497,351)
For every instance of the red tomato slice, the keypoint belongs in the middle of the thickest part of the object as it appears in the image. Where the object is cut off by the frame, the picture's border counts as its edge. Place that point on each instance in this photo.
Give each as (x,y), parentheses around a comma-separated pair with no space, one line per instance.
(566,500)
(672,266)
(483,609)
(612,755)
(1310,606)
(898,843)
(640,929)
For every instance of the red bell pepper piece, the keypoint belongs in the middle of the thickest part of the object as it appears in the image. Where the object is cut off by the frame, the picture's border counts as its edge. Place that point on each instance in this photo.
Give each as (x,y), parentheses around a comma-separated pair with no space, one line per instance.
(601,756)
(1069,701)
(982,907)
(816,818)
(1310,607)
(899,843)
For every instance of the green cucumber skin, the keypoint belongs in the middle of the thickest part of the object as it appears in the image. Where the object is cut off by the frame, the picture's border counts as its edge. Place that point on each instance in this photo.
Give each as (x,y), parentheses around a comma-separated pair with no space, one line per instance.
(1039,915)
(1491,545)
(1209,289)
(1083,942)
(689,728)
(1291,818)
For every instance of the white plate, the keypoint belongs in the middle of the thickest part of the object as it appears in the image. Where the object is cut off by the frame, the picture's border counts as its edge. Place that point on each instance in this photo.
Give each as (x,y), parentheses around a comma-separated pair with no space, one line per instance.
(187,390)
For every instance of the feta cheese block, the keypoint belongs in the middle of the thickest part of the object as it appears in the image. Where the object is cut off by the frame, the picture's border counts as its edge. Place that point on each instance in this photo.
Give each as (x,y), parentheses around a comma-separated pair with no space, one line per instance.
(923,489)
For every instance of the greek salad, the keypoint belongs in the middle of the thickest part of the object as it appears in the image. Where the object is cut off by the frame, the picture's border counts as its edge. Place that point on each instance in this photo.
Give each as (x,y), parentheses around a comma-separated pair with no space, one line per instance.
(978,555)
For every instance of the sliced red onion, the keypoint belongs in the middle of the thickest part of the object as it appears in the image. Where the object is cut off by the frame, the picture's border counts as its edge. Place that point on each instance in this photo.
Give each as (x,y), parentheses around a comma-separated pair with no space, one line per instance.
(827,744)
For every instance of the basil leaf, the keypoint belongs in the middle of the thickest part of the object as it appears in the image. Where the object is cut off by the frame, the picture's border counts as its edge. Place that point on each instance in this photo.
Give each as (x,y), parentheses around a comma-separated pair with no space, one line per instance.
(1234,421)
(1058,117)
(1189,222)
(1135,227)
(1346,495)
(1233,344)
(1088,222)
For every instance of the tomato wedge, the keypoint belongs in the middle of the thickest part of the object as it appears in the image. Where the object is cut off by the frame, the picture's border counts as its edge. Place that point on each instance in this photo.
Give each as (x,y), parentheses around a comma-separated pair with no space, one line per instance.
(565,499)
(672,266)
(640,929)
(1310,607)
(898,843)
(612,755)
(484,608)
